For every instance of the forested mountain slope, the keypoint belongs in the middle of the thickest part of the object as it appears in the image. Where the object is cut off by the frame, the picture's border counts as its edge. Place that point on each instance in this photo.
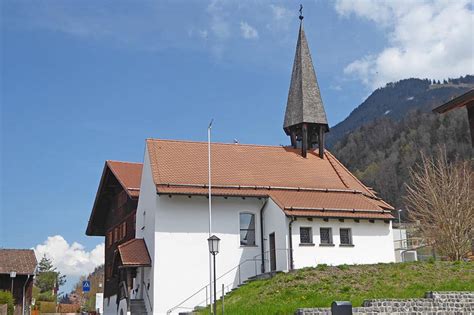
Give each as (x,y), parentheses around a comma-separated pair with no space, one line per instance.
(381,153)
(395,100)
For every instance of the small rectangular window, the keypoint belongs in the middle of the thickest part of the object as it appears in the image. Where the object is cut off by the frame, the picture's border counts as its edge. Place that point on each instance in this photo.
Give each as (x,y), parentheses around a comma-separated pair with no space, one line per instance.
(346,236)
(326,235)
(247,229)
(306,235)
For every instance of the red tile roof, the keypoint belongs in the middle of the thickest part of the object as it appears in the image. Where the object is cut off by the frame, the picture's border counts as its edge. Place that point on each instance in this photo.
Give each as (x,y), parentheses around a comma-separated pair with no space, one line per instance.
(281,173)
(128,174)
(134,253)
(22,261)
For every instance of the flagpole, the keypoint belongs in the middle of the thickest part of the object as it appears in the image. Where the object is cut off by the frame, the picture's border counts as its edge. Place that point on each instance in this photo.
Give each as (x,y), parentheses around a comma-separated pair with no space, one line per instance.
(210,206)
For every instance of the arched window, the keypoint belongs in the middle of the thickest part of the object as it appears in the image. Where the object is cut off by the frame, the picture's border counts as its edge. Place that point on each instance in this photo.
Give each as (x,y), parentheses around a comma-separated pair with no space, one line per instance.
(247,229)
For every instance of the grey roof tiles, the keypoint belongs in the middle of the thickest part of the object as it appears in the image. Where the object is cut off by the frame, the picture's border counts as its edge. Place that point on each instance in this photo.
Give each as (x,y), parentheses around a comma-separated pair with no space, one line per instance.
(304,98)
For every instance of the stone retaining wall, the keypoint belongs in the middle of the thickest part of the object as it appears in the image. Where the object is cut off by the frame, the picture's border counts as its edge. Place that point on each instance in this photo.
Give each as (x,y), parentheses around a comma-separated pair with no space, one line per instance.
(433,303)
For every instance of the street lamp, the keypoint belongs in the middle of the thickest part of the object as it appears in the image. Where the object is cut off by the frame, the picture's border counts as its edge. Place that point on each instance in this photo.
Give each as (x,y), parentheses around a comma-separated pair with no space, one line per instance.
(12,275)
(213,242)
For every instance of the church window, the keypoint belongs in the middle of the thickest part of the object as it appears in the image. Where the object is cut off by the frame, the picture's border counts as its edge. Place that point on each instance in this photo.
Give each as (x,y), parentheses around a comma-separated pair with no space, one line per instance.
(306,235)
(346,237)
(247,229)
(326,236)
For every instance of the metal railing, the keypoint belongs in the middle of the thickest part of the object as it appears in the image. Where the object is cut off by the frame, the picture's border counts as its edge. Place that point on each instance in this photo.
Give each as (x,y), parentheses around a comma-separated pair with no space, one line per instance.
(410,244)
(148,297)
(255,259)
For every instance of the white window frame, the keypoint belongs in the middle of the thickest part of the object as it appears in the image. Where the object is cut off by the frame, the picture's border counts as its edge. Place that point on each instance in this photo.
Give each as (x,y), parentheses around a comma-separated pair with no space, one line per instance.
(310,235)
(351,242)
(254,229)
(331,239)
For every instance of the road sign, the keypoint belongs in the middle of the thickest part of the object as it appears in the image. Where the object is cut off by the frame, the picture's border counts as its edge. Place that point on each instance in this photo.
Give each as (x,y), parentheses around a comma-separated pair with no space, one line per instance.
(86,286)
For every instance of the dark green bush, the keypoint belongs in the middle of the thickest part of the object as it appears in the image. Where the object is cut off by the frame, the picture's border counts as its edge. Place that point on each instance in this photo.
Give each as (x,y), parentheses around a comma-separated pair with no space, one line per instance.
(7,298)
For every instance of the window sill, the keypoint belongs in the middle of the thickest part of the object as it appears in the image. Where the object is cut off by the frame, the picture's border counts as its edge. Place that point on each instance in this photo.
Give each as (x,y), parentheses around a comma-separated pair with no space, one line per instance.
(326,245)
(346,245)
(248,245)
(306,244)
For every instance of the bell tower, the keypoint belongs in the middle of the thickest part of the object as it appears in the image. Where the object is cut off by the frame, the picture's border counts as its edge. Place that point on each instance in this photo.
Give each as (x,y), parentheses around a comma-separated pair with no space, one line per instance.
(305,117)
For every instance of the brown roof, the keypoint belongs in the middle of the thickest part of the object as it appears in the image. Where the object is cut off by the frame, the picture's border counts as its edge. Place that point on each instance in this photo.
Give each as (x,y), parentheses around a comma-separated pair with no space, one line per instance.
(128,174)
(134,253)
(22,261)
(281,173)
(460,101)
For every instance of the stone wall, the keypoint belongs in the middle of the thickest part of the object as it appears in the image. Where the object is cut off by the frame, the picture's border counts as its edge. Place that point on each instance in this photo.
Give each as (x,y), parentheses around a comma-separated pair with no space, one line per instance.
(433,303)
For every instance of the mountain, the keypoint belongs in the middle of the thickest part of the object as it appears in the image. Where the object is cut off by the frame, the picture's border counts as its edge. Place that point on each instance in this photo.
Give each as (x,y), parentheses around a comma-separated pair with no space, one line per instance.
(384,137)
(396,99)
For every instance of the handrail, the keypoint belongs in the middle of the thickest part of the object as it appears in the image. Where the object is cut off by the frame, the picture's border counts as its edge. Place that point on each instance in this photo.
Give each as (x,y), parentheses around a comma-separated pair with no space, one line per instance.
(148,297)
(254,259)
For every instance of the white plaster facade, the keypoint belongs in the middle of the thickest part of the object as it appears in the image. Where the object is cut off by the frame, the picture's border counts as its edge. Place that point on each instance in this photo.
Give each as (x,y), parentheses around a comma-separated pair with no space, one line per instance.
(175,229)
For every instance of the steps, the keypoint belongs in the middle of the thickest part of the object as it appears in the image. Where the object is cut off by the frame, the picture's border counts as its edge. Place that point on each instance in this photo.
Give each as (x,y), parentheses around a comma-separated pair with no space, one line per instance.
(137,307)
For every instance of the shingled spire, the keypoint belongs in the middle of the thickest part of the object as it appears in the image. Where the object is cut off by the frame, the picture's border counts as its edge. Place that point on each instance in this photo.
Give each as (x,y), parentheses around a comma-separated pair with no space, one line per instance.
(305,118)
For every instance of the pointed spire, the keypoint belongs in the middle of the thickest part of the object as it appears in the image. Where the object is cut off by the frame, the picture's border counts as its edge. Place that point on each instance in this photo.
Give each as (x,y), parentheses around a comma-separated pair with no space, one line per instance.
(304,103)
(305,117)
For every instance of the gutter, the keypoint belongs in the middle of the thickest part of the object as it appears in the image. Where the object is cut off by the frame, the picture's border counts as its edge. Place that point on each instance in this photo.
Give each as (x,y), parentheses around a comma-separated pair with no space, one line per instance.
(24,286)
(290,236)
(261,236)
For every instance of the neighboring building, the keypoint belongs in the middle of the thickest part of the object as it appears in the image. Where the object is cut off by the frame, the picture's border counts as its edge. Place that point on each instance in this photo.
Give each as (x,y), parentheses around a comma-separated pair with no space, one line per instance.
(113,216)
(464,100)
(17,269)
(274,208)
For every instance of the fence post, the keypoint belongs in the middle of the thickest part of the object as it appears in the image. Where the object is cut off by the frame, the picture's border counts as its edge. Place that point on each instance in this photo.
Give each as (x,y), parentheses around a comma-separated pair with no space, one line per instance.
(206,295)
(223,299)
(240,281)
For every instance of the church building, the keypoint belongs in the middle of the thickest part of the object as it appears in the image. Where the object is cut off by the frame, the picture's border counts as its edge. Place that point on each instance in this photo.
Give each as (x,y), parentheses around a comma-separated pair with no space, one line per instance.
(274,208)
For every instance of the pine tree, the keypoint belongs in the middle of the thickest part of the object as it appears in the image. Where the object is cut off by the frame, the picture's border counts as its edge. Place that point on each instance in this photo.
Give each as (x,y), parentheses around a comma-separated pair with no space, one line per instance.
(48,278)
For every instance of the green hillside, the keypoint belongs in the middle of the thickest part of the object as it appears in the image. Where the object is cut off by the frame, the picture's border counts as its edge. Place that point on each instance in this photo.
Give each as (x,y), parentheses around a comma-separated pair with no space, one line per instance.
(318,287)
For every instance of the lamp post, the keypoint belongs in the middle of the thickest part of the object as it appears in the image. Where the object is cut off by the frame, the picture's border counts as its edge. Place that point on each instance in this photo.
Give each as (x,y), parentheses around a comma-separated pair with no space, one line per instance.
(213,242)
(12,275)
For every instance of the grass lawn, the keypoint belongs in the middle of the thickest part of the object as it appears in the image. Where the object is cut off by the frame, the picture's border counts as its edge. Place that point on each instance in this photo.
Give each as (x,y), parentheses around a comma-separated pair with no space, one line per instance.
(320,286)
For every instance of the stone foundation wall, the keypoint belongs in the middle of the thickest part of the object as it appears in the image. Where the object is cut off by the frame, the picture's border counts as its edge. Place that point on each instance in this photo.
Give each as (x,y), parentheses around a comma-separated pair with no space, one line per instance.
(433,303)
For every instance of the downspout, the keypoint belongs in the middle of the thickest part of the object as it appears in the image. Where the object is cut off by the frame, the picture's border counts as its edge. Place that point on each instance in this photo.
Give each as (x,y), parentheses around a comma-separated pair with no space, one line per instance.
(261,236)
(290,236)
(24,286)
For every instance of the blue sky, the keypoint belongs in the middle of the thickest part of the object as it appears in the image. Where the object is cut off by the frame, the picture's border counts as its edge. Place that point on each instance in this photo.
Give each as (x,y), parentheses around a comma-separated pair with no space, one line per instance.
(82,82)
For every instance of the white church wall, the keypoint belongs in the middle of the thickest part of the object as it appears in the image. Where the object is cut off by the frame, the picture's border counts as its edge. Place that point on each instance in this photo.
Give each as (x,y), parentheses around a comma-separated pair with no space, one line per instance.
(373,243)
(181,250)
(275,221)
(145,228)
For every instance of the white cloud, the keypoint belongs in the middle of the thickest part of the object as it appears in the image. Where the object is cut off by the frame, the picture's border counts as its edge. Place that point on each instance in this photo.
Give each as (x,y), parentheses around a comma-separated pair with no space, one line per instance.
(247,31)
(426,39)
(219,25)
(281,18)
(70,259)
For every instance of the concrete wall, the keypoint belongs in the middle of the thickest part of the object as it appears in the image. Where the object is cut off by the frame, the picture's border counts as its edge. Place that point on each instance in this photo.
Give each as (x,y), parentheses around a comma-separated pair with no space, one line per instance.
(181,265)
(275,221)
(110,305)
(373,243)
(145,228)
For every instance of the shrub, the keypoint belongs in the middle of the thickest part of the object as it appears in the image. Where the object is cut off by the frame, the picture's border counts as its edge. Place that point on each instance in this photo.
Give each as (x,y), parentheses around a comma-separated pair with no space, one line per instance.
(322,267)
(7,298)
(46,296)
(48,307)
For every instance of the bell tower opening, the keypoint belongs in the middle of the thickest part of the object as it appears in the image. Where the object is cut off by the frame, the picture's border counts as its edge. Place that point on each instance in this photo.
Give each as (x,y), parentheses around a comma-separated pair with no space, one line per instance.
(305,117)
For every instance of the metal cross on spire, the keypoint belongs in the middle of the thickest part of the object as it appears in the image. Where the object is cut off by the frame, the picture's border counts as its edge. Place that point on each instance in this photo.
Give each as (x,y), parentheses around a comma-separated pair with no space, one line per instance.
(301,17)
